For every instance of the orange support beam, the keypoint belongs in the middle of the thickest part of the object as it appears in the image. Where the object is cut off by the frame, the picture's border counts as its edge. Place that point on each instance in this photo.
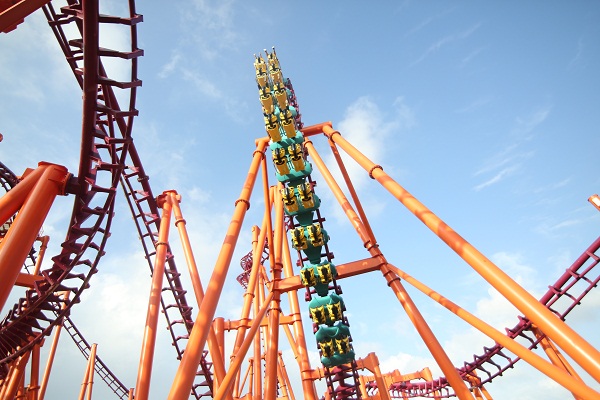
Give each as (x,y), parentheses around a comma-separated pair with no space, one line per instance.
(218,362)
(184,378)
(553,372)
(34,199)
(142,386)
(275,310)
(564,336)
(413,313)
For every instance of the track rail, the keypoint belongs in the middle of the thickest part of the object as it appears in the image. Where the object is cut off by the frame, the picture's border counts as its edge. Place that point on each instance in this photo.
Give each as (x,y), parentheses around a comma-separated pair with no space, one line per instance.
(105,139)
(107,129)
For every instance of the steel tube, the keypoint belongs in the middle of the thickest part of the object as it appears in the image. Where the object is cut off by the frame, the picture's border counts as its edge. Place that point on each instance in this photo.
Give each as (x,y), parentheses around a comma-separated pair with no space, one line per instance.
(564,336)
(142,386)
(184,378)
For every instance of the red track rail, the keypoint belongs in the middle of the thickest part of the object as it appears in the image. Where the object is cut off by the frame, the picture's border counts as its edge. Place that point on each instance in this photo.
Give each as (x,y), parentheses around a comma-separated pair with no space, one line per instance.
(103,116)
(106,135)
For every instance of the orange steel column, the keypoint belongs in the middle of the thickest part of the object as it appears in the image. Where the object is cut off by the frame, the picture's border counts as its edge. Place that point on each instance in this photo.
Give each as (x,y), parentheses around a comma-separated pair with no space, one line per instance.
(308,385)
(12,201)
(259,237)
(438,353)
(258,339)
(557,374)
(142,386)
(33,388)
(26,227)
(415,316)
(51,354)
(218,362)
(286,385)
(239,358)
(275,310)
(350,186)
(556,357)
(564,336)
(13,379)
(88,378)
(184,378)
(41,253)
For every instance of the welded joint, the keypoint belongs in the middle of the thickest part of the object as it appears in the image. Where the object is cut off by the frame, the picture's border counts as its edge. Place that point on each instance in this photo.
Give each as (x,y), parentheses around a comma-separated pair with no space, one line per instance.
(329,136)
(373,169)
(387,272)
(261,153)
(243,201)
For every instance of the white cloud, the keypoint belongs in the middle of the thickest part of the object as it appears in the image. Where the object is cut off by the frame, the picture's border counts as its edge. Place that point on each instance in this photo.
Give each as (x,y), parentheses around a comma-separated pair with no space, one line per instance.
(498,177)
(512,158)
(445,41)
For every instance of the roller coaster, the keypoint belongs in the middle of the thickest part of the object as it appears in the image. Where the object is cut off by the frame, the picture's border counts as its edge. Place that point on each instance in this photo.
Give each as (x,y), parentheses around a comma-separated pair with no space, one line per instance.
(292,226)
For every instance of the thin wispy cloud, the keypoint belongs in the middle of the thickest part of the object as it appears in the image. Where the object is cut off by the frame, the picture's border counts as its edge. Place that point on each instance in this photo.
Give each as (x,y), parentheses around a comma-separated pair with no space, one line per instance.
(476,104)
(525,125)
(576,60)
(206,86)
(469,57)
(497,178)
(170,66)
(511,159)
(211,26)
(444,42)
(426,22)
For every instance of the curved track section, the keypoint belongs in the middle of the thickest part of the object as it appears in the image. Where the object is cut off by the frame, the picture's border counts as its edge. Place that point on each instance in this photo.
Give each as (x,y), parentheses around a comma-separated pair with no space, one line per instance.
(106,135)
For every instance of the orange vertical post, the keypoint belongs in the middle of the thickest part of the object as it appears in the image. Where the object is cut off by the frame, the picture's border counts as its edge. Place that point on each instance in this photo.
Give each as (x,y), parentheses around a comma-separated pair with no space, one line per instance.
(359,208)
(259,237)
(16,371)
(142,386)
(258,340)
(25,228)
(184,378)
(218,362)
(286,385)
(275,310)
(239,358)
(34,379)
(564,336)
(258,240)
(88,378)
(92,364)
(308,384)
(51,354)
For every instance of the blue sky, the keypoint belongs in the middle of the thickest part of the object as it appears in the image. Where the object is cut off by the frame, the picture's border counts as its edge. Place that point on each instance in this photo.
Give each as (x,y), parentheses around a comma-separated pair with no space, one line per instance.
(486,112)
